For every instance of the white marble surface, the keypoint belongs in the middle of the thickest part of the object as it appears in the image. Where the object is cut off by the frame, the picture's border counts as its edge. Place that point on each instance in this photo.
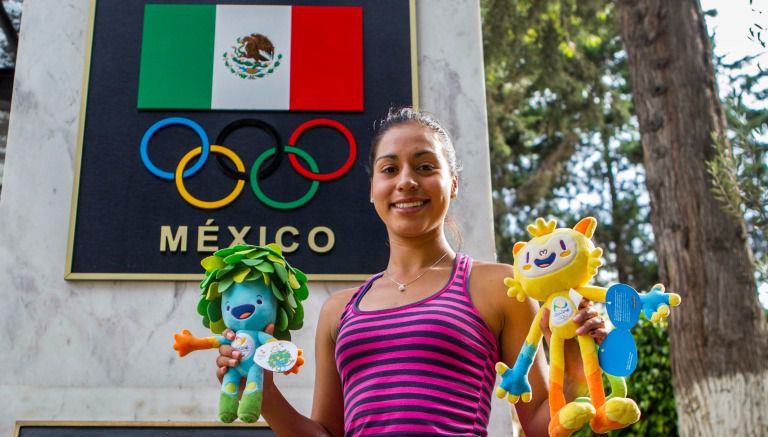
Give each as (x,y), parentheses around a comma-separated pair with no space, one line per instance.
(101,350)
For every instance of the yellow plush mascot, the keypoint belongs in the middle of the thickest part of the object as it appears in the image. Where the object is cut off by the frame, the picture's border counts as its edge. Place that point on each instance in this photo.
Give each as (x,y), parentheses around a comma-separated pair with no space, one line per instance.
(554,268)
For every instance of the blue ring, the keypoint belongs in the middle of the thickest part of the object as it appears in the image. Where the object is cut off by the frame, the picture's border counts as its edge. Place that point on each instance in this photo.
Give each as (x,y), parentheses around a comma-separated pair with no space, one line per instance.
(167,175)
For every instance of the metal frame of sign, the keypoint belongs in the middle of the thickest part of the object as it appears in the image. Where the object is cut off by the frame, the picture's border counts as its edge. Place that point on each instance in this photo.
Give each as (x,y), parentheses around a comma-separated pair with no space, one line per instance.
(126,424)
(70,275)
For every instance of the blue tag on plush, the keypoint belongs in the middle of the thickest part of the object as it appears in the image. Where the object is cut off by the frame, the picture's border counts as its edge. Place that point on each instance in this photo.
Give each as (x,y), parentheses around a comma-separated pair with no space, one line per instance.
(623,305)
(618,352)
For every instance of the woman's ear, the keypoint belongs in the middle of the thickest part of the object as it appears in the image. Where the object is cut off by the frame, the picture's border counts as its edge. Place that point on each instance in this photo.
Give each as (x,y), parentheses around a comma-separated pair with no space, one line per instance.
(454,187)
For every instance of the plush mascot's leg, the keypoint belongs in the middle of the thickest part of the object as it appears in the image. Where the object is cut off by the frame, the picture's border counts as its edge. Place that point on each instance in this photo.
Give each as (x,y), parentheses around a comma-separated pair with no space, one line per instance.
(228,397)
(565,419)
(615,413)
(250,404)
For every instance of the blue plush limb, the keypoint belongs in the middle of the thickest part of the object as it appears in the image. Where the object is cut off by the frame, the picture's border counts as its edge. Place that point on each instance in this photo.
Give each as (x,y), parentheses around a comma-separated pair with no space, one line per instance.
(255,380)
(514,381)
(230,384)
(263,337)
(656,303)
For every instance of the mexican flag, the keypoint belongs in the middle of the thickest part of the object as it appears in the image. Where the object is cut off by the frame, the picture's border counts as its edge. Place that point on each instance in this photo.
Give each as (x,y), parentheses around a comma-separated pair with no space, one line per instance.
(251,57)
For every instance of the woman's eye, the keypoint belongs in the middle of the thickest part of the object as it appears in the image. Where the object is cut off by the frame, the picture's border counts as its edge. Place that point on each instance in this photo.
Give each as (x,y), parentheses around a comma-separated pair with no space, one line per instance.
(388,169)
(427,167)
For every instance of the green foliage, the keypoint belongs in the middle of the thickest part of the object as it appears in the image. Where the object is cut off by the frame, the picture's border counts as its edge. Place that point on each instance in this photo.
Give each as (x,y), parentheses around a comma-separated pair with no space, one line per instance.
(564,144)
(650,386)
(739,167)
(242,263)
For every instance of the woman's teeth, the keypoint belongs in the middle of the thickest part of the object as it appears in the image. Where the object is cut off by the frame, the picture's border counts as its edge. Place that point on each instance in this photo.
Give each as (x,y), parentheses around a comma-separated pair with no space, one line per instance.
(404,205)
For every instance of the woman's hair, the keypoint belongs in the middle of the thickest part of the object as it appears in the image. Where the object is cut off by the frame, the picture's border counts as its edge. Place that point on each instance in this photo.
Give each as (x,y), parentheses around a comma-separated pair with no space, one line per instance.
(400,116)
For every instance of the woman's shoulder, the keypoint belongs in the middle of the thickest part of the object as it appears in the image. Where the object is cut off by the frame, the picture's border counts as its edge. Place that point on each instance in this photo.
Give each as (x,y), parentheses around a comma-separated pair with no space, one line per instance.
(491,272)
(337,301)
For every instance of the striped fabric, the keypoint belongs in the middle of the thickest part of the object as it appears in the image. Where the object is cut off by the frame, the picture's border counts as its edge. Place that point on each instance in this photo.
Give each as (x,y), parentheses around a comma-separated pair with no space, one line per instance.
(424,369)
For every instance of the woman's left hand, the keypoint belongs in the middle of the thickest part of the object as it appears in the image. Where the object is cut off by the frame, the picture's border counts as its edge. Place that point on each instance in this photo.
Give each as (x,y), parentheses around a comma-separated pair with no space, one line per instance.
(590,322)
(587,318)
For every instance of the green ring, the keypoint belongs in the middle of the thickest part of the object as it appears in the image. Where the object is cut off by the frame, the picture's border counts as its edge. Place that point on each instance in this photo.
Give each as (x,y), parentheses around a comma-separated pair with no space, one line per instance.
(303,200)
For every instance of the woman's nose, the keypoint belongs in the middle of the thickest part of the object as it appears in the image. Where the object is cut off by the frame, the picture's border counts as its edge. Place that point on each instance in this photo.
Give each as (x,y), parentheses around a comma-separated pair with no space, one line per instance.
(406,181)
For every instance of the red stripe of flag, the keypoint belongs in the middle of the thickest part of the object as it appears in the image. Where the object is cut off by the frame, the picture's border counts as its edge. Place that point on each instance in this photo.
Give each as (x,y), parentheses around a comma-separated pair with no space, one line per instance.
(327,58)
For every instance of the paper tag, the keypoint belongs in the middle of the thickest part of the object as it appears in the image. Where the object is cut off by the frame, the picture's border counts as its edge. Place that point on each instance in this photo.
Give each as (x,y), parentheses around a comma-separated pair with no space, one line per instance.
(277,356)
(622,303)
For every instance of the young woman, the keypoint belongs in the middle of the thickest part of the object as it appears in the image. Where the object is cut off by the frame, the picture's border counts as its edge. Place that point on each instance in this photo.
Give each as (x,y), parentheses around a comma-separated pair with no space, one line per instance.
(412,351)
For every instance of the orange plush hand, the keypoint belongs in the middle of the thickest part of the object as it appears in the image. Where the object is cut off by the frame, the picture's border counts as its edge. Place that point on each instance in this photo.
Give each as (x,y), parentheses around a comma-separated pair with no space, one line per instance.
(186,343)
(299,363)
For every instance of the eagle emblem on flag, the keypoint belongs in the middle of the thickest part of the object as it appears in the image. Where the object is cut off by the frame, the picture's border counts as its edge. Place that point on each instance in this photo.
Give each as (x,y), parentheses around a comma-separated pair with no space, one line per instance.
(252,57)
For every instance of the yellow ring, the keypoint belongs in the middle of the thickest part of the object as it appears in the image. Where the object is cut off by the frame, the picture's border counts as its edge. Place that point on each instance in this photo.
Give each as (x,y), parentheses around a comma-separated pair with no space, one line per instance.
(202,203)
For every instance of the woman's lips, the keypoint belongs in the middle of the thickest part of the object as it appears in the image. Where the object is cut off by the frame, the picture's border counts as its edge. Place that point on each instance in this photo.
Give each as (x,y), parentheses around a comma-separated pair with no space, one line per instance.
(409,205)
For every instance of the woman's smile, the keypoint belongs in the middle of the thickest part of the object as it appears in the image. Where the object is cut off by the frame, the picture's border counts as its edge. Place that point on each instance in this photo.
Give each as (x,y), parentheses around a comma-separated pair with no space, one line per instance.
(409,205)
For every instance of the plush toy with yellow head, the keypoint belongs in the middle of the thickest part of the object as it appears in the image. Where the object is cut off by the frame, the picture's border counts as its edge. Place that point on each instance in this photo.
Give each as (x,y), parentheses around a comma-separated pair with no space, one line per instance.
(555,268)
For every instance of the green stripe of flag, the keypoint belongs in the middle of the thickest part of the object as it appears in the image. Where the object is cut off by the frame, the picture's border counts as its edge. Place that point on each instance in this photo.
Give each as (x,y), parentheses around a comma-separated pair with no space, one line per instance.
(176,56)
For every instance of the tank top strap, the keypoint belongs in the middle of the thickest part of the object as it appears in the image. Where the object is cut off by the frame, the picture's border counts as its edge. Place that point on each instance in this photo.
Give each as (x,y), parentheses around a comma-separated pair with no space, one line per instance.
(351,303)
(460,279)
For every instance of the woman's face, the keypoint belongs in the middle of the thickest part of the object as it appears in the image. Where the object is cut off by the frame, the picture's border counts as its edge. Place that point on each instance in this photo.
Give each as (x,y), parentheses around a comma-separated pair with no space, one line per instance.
(412,184)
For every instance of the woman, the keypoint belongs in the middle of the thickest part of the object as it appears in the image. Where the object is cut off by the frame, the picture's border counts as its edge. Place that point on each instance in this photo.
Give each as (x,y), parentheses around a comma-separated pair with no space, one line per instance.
(412,351)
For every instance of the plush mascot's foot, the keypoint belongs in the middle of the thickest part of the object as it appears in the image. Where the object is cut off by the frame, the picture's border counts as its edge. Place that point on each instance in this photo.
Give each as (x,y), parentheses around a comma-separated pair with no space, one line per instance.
(250,407)
(227,408)
(570,419)
(616,413)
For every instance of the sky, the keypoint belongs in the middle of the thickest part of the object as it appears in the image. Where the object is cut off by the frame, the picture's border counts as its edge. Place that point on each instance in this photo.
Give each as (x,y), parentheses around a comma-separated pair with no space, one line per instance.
(731,30)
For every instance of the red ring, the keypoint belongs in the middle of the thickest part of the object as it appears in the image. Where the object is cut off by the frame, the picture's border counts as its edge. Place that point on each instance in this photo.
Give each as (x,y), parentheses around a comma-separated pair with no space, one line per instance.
(323,176)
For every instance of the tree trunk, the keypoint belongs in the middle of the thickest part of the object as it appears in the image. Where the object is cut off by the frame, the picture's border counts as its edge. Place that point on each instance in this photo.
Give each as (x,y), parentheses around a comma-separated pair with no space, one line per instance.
(719,335)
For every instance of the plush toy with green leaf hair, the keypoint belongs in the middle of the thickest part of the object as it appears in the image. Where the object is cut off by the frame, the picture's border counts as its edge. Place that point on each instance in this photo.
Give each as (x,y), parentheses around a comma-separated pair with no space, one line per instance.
(246,289)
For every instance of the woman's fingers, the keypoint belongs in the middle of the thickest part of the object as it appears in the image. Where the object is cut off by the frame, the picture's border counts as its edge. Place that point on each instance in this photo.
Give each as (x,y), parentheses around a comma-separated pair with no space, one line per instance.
(228,356)
(586,313)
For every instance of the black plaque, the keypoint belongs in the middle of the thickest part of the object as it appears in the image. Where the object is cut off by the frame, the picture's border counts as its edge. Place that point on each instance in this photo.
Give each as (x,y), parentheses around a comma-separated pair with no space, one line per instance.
(120,209)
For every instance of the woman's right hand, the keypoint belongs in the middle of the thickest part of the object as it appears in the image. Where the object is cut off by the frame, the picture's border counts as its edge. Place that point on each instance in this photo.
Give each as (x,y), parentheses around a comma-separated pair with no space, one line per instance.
(228,356)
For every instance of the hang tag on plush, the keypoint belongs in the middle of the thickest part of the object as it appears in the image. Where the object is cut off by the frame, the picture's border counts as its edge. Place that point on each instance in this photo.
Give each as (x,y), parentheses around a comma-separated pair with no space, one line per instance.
(277,356)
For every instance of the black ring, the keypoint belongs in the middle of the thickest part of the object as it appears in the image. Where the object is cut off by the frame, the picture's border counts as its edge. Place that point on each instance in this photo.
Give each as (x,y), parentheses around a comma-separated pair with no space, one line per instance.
(265,171)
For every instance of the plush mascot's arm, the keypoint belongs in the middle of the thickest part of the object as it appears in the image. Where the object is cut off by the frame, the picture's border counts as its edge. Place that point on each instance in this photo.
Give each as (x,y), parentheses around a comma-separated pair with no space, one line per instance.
(656,302)
(515,289)
(186,342)
(514,381)
(595,294)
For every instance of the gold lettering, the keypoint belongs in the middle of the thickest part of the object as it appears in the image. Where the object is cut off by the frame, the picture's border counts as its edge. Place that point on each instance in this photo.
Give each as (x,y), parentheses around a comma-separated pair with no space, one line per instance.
(238,237)
(279,238)
(312,239)
(204,236)
(172,242)
(262,235)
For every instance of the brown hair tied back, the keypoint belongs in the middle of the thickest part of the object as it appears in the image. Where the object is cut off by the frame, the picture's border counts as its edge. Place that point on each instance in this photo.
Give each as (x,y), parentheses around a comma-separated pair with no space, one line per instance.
(399,116)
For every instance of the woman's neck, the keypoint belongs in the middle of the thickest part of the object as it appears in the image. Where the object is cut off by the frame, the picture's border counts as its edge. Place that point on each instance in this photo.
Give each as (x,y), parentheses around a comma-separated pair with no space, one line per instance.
(408,256)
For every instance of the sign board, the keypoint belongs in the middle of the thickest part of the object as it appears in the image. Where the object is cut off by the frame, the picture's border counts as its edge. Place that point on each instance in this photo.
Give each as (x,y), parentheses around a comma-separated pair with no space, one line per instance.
(138,429)
(208,123)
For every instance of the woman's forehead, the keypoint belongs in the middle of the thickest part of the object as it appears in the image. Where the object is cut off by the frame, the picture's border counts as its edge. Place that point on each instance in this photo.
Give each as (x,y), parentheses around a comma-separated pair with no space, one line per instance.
(408,138)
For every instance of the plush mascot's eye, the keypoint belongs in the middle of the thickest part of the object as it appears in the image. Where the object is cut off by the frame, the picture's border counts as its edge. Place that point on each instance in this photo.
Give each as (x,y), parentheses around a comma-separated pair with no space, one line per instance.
(562,244)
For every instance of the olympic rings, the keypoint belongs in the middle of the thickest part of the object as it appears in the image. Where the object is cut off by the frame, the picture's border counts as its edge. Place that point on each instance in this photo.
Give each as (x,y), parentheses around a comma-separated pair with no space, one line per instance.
(323,176)
(283,205)
(167,122)
(201,203)
(258,170)
(252,122)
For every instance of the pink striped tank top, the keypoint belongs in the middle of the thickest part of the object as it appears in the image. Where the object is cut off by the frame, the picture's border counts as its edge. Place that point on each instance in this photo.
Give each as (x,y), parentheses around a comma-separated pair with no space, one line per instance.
(423,369)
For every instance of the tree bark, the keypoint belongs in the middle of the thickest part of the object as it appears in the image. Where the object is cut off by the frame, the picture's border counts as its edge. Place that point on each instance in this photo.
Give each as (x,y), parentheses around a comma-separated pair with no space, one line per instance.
(719,335)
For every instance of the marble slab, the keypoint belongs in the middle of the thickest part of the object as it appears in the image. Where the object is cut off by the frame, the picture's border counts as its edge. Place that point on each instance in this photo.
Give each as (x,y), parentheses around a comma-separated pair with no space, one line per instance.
(101,350)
